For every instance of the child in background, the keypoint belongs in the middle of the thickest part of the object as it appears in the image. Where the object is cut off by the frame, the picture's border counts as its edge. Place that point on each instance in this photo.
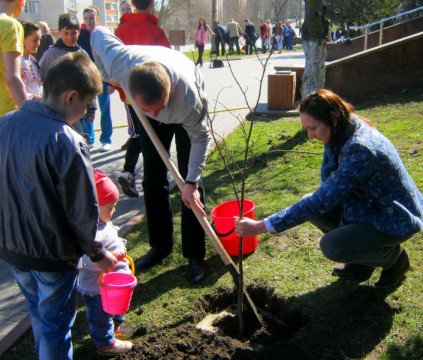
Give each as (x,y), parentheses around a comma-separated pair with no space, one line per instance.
(105,329)
(30,69)
(69,28)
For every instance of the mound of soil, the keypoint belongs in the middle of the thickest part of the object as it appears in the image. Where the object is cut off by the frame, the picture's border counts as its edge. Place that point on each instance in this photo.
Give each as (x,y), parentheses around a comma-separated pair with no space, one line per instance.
(337,321)
(282,321)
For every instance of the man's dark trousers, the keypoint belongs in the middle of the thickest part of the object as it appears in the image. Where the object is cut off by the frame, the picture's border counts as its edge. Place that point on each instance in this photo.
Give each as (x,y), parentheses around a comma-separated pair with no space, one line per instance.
(156,192)
(232,41)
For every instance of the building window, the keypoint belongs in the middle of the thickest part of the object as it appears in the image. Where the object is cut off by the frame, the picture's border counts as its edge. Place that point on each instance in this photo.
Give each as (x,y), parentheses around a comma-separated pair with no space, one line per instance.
(32,7)
(111,6)
(111,18)
(72,4)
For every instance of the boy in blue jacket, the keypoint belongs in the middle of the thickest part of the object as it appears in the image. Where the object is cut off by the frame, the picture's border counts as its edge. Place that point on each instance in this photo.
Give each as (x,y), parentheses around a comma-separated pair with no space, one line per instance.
(48,207)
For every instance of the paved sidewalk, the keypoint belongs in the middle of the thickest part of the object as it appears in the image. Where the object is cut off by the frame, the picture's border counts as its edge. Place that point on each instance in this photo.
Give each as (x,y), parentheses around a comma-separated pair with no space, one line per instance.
(226,102)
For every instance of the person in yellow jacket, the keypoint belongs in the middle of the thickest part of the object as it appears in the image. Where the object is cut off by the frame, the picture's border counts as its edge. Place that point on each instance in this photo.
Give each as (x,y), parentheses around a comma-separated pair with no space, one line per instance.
(12,89)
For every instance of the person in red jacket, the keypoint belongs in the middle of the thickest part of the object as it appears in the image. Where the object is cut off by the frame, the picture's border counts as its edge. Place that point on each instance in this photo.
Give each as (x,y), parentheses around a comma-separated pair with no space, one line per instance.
(264,35)
(139,28)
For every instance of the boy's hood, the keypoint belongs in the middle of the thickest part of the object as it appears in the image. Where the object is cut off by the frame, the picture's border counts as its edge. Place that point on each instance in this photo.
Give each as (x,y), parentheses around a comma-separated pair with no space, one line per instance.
(140,19)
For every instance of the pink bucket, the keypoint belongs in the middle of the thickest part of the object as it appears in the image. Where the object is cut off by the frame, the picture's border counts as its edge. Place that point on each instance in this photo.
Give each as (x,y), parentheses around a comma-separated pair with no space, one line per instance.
(116,291)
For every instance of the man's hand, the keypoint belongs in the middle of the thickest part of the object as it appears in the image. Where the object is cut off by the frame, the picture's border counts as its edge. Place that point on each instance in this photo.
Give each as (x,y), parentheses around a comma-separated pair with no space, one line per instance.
(191,197)
(107,263)
(110,89)
(249,227)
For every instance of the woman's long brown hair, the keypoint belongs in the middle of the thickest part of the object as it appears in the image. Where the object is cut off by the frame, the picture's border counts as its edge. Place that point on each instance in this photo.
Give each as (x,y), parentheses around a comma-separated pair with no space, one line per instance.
(329,108)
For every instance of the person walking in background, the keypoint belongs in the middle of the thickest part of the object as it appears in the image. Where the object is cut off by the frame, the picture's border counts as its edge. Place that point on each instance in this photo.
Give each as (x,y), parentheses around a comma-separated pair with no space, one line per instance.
(200,39)
(277,32)
(46,39)
(107,331)
(234,31)
(91,20)
(219,38)
(291,37)
(367,203)
(30,69)
(264,35)
(250,36)
(288,36)
(269,39)
(48,207)
(139,28)
(12,88)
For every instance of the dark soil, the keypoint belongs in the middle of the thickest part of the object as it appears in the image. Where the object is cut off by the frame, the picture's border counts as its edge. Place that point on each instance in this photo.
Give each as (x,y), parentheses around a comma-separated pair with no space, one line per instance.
(187,342)
(337,321)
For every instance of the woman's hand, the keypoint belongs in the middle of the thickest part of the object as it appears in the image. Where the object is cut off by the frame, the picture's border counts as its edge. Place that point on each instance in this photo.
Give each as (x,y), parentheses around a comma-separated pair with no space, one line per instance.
(249,227)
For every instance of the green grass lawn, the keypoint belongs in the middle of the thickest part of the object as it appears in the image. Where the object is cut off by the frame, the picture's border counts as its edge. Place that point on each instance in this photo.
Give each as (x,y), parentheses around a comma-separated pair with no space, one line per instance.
(206,56)
(346,321)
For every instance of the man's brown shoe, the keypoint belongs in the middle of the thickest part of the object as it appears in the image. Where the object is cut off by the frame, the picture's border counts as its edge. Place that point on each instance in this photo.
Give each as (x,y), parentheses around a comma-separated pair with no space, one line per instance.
(395,274)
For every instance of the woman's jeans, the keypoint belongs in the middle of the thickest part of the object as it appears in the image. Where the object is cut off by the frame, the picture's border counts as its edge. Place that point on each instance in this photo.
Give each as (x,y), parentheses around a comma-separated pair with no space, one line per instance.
(356,243)
(100,324)
(51,299)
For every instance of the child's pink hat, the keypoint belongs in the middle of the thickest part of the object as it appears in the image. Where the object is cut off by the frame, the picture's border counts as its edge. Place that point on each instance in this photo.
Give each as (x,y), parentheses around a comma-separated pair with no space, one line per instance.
(107,191)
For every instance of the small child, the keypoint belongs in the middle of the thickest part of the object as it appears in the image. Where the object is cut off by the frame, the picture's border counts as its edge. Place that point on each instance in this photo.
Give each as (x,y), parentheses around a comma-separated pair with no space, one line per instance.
(105,329)
(30,69)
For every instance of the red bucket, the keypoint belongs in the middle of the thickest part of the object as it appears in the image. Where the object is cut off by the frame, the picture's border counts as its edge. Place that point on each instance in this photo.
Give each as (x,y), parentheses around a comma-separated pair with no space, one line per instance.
(224,225)
(116,291)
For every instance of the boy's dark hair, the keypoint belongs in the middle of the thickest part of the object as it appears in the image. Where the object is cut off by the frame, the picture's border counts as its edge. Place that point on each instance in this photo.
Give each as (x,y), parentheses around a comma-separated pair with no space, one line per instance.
(73,71)
(29,27)
(154,76)
(141,4)
(68,21)
(91,8)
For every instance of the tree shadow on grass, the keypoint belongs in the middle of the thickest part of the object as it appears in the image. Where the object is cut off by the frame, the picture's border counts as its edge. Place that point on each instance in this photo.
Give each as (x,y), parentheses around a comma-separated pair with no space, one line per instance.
(345,321)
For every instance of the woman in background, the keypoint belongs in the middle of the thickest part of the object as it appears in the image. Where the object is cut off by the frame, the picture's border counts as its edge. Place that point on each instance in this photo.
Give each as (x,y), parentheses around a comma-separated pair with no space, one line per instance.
(200,39)
(46,39)
(30,70)
(125,7)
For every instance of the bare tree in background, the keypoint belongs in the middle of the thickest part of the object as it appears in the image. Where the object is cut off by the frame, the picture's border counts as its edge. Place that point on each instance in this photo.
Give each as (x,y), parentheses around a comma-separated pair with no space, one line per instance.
(314,32)
(165,8)
(278,6)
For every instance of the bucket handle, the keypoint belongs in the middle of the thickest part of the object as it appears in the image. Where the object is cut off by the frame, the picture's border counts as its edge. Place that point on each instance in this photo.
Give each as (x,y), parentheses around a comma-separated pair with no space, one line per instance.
(219,234)
(131,264)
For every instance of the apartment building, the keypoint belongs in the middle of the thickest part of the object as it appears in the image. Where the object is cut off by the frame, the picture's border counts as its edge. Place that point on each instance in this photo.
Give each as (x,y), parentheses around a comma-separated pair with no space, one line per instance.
(49,10)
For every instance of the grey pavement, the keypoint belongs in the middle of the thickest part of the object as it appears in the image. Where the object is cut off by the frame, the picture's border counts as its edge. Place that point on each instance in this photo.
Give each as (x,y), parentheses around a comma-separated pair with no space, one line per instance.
(227,105)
